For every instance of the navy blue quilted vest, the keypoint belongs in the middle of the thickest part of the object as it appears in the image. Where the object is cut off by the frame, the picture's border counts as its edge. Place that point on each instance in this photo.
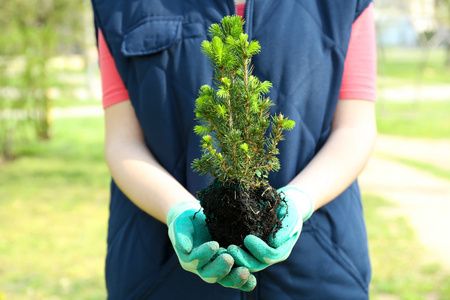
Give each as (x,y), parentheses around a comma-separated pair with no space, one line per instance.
(156,47)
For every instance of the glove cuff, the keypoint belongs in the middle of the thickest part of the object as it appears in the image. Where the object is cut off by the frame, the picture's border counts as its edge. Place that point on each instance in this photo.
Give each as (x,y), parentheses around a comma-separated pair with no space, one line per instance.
(304,203)
(181,207)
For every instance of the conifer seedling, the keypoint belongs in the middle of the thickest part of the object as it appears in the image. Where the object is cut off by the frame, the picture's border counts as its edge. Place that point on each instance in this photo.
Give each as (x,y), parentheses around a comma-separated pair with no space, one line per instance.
(239,140)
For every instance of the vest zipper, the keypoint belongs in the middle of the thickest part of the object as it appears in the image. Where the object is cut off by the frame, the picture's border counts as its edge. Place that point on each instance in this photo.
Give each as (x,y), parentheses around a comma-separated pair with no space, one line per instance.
(248,16)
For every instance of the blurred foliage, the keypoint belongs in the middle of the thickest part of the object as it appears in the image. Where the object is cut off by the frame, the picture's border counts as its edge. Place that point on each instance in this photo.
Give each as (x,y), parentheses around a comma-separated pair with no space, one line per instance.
(33,31)
(443,12)
(443,19)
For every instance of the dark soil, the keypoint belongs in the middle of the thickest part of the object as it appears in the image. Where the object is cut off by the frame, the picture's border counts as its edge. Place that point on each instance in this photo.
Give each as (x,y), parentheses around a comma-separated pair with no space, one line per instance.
(232,213)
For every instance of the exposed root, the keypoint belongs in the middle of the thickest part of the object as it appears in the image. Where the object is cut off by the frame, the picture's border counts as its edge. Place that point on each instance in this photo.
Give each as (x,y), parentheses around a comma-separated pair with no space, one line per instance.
(233,213)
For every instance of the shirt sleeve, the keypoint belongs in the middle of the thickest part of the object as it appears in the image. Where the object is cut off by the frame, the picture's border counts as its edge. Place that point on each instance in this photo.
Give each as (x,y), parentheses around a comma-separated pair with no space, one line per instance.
(360,68)
(113,89)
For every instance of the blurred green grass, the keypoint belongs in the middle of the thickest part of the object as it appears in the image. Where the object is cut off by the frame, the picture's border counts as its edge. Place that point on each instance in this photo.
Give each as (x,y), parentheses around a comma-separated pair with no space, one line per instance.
(400,67)
(422,118)
(404,66)
(53,215)
(402,268)
(414,119)
(420,165)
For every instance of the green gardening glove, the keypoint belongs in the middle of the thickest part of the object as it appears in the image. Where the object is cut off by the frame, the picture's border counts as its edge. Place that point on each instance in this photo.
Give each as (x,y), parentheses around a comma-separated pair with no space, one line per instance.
(260,255)
(238,278)
(196,251)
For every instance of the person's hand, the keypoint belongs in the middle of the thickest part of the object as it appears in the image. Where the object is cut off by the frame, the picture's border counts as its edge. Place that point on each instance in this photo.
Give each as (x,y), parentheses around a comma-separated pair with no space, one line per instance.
(260,255)
(193,245)
(238,278)
(198,254)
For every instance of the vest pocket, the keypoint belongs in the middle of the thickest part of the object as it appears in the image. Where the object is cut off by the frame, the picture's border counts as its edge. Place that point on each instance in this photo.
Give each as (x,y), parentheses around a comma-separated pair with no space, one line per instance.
(151,35)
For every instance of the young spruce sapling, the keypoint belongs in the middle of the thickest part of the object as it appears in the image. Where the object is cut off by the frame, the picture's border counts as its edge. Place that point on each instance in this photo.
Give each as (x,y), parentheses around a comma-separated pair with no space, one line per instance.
(239,140)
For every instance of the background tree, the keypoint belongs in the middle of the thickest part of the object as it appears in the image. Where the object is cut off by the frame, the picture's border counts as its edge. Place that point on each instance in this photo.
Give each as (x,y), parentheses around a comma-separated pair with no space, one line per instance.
(33,32)
(443,19)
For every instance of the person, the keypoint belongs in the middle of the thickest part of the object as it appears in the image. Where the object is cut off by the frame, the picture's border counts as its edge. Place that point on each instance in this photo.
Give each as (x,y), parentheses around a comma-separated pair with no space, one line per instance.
(320,58)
